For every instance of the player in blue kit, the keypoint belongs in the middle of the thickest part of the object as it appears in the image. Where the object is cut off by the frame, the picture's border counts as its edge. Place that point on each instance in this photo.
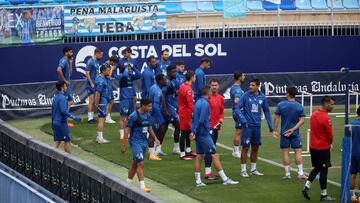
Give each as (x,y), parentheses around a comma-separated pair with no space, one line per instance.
(126,77)
(200,81)
(180,71)
(252,102)
(60,113)
(171,99)
(139,126)
(292,118)
(103,92)
(355,155)
(92,70)
(148,76)
(200,131)
(164,62)
(158,115)
(235,94)
(64,71)
(25,28)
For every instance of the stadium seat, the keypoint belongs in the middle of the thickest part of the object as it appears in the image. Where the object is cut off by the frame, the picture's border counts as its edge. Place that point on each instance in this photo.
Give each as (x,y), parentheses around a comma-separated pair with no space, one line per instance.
(218,5)
(82,2)
(39,4)
(2,2)
(319,4)
(24,5)
(351,4)
(303,4)
(53,4)
(205,6)
(269,5)
(60,1)
(67,3)
(46,1)
(288,5)
(337,4)
(255,5)
(189,7)
(173,7)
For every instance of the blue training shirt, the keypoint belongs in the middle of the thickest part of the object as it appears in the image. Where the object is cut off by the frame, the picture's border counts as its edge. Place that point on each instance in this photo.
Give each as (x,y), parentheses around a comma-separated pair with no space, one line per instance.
(126,83)
(59,108)
(104,87)
(147,80)
(162,65)
(156,96)
(251,114)
(200,124)
(200,81)
(180,77)
(290,112)
(123,62)
(93,66)
(235,92)
(355,136)
(65,67)
(170,92)
(139,124)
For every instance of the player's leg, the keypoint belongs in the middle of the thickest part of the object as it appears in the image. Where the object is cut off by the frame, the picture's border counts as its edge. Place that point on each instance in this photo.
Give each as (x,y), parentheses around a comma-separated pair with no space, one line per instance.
(286,162)
(352,187)
(183,139)
(68,94)
(237,140)
(67,147)
(100,128)
(56,144)
(255,145)
(90,105)
(245,144)
(163,126)
(208,157)
(299,164)
(198,160)
(108,112)
(151,142)
(125,111)
(132,171)
(176,149)
(122,124)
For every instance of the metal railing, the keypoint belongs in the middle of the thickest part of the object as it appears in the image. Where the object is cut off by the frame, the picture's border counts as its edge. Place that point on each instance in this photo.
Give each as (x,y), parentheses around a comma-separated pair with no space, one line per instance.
(63,174)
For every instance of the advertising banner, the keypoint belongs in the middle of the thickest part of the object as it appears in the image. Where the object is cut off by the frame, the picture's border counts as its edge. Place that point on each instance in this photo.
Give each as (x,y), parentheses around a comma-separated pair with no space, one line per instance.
(31,25)
(114,19)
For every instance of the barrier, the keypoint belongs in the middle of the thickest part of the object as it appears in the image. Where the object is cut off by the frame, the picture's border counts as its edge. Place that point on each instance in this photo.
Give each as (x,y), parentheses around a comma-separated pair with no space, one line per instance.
(63,174)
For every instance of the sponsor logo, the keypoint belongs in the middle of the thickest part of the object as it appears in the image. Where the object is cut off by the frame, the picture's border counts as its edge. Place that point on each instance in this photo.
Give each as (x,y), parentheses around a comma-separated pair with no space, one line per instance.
(82,57)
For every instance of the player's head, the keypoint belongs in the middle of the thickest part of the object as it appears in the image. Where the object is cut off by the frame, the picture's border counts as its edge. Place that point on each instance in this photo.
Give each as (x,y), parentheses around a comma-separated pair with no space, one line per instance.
(291,92)
(239,76)
(26,15)
(145,104)
(113,60)
(126,52)
(61,86)
(214,85)
(205,92)
(358,111)
(328,103)
(68,52)
(180,65)
(152,61)
(190,76)
(206,62)
(105,70)
(254,85)
(160,79)
(165,54)
(98,53)
(171,72)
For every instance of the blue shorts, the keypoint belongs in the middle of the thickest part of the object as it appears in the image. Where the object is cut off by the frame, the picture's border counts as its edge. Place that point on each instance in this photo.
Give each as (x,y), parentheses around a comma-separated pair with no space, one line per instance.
(69,92)
(126,107)
(236,118)
(61,132)
(251,136)
(173,117)
(138,149)
(103,107)
(157,120)
(355,164)
(294,141)
(205,145)
(89,90)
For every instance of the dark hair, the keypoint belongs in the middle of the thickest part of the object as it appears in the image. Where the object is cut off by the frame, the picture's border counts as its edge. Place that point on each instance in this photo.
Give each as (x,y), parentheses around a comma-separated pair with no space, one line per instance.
(103,67)
(159,77)
(150,58)
(179,62)
(126,50)
(205,59)
(169,68)
(66,49)
(98,50)
(326,99)
(237,75)
(165,50)
(145,101)
(60,84)
(114,59)
(292,91)
(189,74)
(256,81)
(214,80)
(205,90)
(358,111)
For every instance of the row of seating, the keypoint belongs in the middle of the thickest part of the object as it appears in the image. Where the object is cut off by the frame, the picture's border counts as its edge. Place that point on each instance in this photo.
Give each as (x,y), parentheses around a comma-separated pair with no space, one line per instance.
(42,2)
(261,5)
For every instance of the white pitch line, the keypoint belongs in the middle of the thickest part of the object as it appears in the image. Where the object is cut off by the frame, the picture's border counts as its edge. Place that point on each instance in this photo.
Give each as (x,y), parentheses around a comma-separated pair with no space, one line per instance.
(276,164)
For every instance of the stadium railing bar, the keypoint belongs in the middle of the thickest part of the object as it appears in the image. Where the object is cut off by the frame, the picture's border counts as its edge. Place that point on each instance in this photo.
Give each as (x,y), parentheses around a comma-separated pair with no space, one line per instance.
(63,174)
(232,31)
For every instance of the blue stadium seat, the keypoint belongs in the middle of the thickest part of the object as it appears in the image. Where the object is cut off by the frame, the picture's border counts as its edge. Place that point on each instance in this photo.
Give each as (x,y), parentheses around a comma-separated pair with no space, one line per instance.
(67,3)
(24,5)
(205,6)
(39,4)
(319,5)
(23,1)
(288,5)
(351,4)
(46,1)
(337,4)
(173,7)
(269,5)
(303,4)
(255,5)
(189,7)
(60,1)
(218,5)
(82,2)
(53,4)
(2,2)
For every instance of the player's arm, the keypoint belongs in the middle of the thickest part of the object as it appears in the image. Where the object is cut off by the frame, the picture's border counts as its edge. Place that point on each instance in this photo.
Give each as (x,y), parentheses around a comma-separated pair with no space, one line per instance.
(152,134)
(222,116)
(200,80)
(298,124)
(61,73)
(328,129)
(65,111)
(266,110)
(71,66)
(147,79)
(136,74)
(99,87)
(276,122)
(89,79)
(238,111)
(190,99)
